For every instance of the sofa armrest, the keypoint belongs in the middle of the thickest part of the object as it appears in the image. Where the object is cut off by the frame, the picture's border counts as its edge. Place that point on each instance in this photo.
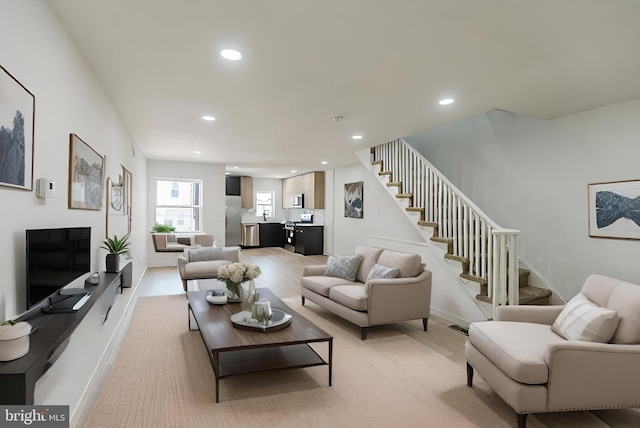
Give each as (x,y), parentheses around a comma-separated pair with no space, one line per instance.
(313,270)
(525,313)
(593,375)
(399,299)
(182,261)
(231,253)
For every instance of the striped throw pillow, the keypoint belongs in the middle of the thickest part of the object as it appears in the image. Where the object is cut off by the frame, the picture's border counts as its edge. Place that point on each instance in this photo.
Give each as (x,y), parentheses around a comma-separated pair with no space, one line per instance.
(581,319)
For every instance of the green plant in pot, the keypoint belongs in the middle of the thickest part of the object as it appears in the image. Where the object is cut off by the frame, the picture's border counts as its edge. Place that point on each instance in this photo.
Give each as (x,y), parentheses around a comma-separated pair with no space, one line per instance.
(162,228)
(116,247)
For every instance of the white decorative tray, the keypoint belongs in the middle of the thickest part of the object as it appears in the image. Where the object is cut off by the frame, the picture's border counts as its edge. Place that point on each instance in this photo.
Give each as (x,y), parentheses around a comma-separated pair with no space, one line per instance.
(279,320)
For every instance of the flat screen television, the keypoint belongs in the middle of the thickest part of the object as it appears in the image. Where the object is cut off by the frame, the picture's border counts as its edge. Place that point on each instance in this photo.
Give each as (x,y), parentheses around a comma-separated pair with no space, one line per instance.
(55,257)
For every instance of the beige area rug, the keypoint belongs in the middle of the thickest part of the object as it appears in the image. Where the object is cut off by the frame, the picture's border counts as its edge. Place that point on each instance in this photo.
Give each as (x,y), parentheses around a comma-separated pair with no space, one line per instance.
(162,377)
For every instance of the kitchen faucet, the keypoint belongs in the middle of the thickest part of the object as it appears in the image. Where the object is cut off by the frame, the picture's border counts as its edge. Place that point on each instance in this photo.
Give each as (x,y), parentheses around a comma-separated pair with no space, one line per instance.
(265,213)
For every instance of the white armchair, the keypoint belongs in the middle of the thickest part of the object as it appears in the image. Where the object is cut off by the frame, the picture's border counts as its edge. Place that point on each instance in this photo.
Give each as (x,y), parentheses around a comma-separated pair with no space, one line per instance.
(529,355)
(203,263)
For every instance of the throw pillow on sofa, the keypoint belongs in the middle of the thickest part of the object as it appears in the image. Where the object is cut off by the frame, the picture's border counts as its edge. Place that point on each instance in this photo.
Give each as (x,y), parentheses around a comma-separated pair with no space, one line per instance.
(581,319)
(204,254)
(381,272)
(344,267)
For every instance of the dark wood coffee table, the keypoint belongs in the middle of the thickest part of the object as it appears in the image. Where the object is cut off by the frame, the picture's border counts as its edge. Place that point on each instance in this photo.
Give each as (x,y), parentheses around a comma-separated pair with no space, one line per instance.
(239,352)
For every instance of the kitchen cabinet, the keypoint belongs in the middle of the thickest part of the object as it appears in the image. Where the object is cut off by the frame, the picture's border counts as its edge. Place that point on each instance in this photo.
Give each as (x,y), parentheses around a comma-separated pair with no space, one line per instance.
(311,185)
(271,234)
(309,240)
(246,191)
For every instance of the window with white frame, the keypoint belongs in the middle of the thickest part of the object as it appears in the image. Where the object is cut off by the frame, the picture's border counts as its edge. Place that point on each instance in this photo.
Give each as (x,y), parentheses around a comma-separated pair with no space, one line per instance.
(265,204)
(179,204)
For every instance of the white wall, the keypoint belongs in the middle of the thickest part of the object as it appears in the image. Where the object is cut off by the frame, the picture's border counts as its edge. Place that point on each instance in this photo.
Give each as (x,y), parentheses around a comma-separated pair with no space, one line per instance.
(38,52)
(533,175)
(213,201)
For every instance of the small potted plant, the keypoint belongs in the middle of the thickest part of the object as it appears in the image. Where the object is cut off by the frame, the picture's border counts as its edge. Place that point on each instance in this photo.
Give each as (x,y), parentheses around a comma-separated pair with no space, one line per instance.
(14,339)
(116,247)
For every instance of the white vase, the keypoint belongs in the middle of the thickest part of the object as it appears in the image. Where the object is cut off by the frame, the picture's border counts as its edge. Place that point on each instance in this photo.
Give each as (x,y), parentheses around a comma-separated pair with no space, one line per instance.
(239,293)
(251,295)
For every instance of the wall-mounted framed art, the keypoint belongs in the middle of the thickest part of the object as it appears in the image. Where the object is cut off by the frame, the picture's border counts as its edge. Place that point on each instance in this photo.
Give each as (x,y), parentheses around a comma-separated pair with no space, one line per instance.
(614,210)
(17,125)
(86,174)
(353,193)
(118,212)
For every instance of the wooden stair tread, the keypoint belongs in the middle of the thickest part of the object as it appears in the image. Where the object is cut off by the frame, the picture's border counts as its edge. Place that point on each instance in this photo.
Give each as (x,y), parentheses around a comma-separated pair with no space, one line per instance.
(530,293)
(419,209)
(377,162)
(404,195)
(385,173)
(527,294)
(394,183)
(460,259)
(481,281)
(442,240)
(428,223)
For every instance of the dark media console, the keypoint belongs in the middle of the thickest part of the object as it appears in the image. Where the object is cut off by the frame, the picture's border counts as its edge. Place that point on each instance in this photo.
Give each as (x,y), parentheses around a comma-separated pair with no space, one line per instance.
(50,336)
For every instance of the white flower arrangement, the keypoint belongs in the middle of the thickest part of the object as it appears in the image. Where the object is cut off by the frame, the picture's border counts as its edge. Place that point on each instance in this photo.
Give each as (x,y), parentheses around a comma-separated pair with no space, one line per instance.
(236,273)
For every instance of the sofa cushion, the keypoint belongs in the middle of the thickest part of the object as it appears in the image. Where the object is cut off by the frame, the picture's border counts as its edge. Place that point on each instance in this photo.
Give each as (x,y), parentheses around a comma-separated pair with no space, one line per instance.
(322,284)
(206,269)
(343,266)
(581,319)
(370,257)
(351,296)
(203,254)
(409,264)
(382,272)
(517,348)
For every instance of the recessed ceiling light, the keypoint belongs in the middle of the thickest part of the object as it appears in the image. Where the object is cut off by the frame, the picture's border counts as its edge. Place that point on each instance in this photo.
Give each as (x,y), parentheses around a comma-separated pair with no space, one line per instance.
(208,118)
(294,171)
(324,162)
(227,173)
(357,137)
(337,118)
(235,167)
(231,54)
(197,152)
(446,101)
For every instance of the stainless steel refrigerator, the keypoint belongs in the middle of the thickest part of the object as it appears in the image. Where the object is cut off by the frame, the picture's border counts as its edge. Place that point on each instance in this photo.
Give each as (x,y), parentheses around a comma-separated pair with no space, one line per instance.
(233,220)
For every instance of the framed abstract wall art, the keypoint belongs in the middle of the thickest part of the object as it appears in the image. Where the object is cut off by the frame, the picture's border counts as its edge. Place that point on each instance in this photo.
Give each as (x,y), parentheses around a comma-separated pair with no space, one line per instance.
(353,207)
(86,174)
(17,124)
(614,210)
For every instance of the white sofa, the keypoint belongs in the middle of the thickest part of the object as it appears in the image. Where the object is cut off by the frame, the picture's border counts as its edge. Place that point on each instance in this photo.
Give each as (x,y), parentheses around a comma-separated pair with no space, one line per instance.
(366,301)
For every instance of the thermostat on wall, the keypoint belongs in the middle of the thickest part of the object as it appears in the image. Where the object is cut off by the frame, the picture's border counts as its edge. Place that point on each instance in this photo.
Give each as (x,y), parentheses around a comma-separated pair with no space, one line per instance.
(45,188)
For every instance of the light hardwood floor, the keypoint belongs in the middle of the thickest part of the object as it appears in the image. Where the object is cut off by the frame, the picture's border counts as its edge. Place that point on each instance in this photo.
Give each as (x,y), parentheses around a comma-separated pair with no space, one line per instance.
(281,273)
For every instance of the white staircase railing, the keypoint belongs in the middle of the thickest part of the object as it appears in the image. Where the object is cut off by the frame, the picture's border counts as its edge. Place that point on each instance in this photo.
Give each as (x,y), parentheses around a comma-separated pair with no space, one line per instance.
(488,252)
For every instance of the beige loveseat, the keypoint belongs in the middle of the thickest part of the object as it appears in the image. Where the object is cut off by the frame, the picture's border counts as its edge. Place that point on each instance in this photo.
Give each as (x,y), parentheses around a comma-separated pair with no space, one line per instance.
(579,356)
(365,301)
(203,263)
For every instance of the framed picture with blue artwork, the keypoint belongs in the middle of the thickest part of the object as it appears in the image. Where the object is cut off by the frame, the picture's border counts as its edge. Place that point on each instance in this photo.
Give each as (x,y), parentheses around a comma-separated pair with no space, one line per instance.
(17,124)
(614,210)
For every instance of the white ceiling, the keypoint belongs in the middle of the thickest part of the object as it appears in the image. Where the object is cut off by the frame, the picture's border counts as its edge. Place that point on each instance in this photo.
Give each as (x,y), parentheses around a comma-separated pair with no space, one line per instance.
(381,64)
